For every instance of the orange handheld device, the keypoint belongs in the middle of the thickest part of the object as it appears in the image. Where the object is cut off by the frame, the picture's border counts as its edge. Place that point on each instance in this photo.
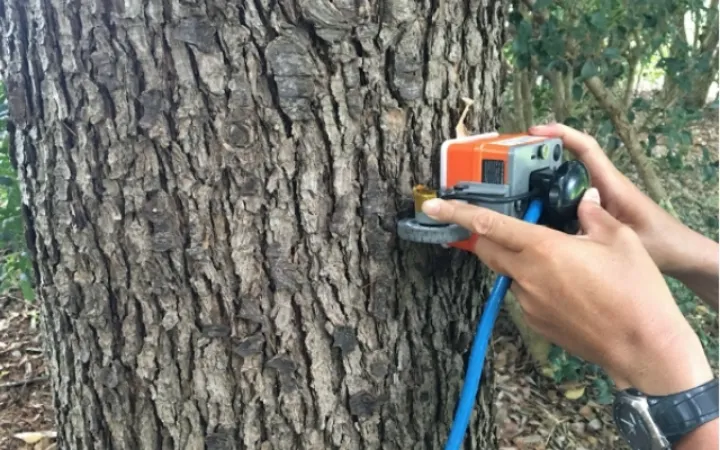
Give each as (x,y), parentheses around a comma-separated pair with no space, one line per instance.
(518,175)
(502,172)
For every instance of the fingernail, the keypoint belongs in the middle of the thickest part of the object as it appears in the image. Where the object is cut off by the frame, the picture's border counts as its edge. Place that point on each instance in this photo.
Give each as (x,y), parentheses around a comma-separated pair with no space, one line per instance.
(431,207)
(592,195)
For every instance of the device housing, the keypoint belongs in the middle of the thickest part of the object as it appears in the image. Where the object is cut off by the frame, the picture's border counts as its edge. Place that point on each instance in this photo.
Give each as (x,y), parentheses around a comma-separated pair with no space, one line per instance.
(498,166)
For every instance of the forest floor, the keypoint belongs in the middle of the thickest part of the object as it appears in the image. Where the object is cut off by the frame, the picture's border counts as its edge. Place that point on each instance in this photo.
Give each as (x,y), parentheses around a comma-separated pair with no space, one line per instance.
(25,398)
(532,411)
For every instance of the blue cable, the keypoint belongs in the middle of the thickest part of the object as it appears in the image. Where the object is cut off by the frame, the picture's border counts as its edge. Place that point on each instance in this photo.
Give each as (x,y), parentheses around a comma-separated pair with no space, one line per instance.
(480,344)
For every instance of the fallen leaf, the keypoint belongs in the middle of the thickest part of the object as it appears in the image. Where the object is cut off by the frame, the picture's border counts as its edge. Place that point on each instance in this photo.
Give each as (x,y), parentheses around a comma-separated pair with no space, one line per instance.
(578,427)
(32,437)
(595,425)
(44,444)
(460,129)
(586,411)
(575,393)
(548,371)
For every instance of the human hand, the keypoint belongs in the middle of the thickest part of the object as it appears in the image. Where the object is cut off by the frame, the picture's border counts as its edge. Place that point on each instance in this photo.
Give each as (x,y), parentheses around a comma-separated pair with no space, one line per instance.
(676,249)
(598,295)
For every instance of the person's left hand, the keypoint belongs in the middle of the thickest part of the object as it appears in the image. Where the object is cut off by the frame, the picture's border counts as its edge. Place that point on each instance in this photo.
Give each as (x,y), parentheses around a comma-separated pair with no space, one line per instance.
(598,295)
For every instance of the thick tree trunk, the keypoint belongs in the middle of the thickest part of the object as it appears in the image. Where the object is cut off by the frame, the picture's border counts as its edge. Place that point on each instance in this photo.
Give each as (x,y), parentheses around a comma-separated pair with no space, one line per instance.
(212,189)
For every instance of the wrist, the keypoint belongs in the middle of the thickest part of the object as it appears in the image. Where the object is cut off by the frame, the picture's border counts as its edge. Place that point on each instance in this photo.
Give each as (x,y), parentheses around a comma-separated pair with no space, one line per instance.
(663,365)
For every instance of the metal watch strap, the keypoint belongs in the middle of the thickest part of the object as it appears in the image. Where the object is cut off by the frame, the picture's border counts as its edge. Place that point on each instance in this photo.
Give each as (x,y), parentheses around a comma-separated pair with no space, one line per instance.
(678,414)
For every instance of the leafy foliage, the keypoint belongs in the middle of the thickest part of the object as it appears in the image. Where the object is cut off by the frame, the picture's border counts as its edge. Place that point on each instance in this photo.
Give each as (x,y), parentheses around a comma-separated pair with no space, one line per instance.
(15,262)
(557,46)
(619,42)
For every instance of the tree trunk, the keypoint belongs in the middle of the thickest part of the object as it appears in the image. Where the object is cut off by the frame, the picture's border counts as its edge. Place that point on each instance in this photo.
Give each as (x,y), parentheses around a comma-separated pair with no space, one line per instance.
(211,190)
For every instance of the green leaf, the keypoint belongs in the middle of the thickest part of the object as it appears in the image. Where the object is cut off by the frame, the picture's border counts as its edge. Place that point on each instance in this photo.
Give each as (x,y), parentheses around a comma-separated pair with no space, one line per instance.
(606,127)
(675,160)
(710,174)
(577,91)
(515,17)
(541,4)
(613,143)
(685,137)
(556,354)
(611,53)
(603,391)
(6,181)
(652,141)
(649,21)
(599,20)
(631,116)
(573,122)
(640,104)
(521,42)
(705,154)
(589,69)
(673,66)
(552,42)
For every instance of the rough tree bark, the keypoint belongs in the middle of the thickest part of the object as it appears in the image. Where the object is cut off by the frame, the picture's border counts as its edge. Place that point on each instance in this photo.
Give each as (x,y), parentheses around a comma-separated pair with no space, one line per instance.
(211,191)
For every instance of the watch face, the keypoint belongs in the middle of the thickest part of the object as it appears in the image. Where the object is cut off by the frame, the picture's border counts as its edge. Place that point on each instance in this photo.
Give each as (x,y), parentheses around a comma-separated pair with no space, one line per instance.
(632,427)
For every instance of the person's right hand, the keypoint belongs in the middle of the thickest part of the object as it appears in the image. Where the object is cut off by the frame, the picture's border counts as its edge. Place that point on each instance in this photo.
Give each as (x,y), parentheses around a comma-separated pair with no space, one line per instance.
(597,295)
(677,250)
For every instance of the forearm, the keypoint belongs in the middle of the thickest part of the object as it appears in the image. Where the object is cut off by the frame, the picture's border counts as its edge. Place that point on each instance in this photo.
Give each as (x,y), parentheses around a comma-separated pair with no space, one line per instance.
(697,267)
(704,437)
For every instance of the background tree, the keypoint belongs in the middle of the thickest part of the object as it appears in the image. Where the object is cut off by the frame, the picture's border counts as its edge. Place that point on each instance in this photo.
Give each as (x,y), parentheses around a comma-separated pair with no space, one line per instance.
(638,76)
(211,190)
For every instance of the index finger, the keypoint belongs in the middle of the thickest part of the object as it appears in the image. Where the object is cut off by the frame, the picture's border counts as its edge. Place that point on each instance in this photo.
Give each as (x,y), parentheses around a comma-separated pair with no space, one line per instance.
(504,230)
(584,146)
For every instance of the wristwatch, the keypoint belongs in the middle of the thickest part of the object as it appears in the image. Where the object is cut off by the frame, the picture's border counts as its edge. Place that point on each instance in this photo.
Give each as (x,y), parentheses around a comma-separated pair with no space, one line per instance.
(648,422)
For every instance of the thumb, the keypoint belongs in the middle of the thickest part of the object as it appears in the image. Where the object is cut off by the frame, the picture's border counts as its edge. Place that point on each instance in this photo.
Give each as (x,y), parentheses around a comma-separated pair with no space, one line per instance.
(594,220)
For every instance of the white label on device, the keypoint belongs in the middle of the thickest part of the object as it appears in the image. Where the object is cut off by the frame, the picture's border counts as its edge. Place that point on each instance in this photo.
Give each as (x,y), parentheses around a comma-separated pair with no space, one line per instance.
(518,140)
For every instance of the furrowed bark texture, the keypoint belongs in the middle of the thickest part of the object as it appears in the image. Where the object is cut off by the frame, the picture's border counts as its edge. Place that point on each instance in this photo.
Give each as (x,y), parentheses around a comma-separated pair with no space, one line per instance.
(212,189)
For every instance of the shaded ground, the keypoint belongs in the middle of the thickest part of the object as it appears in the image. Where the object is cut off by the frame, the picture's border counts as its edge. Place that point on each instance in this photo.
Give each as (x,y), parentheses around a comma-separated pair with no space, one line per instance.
(532,412)
(25,399)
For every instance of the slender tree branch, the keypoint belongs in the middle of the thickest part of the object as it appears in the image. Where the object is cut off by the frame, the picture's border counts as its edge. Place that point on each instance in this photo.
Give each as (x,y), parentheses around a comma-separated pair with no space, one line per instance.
(525,86)
(630,86)
(629,135)
(668,101)
(518,102)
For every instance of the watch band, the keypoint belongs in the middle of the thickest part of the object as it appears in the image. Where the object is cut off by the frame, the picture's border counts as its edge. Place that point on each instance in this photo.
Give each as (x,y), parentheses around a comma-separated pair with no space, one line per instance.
(678,414)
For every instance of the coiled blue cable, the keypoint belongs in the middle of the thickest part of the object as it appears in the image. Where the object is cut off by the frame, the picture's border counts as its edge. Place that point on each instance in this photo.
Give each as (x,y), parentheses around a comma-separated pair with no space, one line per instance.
(480,345)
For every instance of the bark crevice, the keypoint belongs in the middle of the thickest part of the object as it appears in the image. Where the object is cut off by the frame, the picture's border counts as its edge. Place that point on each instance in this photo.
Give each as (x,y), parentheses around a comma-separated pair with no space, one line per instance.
(211,192)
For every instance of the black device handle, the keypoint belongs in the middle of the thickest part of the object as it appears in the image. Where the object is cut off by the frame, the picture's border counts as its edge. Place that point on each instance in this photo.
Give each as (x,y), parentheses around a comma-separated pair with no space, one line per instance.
(561,191)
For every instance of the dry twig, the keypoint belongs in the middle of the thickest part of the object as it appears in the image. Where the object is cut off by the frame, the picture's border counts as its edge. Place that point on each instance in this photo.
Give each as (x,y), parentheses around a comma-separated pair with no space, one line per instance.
(25,382)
